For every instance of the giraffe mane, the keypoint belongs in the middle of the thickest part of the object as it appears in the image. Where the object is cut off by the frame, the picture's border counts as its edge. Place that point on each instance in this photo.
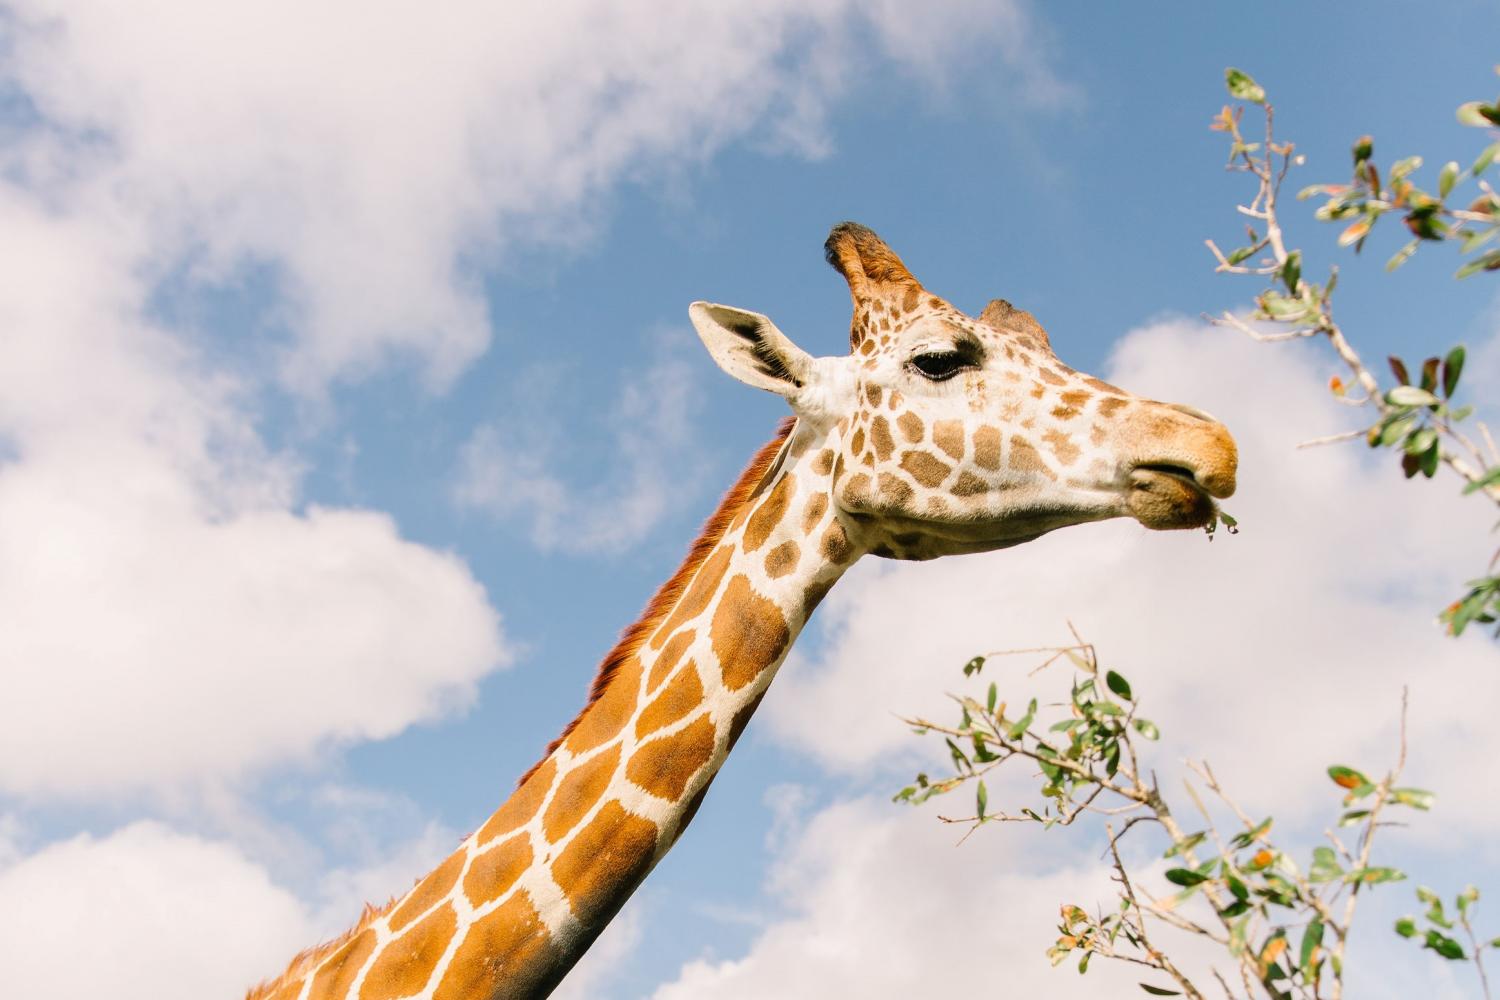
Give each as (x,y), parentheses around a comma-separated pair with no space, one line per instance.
(305,961)
(662,602)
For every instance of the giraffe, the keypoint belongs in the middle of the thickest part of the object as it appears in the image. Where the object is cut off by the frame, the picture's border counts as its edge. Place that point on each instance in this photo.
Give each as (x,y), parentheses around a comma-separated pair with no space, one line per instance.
(937,434)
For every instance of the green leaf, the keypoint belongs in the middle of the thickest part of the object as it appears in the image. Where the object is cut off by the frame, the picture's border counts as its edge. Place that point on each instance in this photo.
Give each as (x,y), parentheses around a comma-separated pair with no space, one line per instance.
(1325,866)
(1469,114)
(1311,939)
(1119,685)
(1428,462)
(1444,946)
(1185,877)
(1410,395)
(1147,728)
(1158,991)
(1421,440)
(1467,898)
(1485,158)
(1353,816)
(1402,256)
(973,666)
(990,698)
(982,798)
(1416,798)
(1239,255)
(1406,927)
(1186,844)
(1401,168)
(1487,261)
(1346,777)
(1375,875)
(1242,87)
(1446,177)
(1490,478)
(1453,366)
(1291,271)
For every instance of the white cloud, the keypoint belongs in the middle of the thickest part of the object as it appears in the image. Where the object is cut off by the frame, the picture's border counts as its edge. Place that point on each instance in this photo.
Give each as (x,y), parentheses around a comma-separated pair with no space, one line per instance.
(880,904)
(1294,637)
(512,468)
(143,913)
(167,615)
(863,919)
(374,156)
(152,913)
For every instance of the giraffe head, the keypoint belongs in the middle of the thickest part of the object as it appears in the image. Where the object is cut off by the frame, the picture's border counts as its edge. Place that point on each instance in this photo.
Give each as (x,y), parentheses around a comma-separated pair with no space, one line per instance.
(949,433)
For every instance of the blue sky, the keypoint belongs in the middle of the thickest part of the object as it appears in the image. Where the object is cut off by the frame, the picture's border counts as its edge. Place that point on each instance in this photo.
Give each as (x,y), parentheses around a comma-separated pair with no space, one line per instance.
(354,411)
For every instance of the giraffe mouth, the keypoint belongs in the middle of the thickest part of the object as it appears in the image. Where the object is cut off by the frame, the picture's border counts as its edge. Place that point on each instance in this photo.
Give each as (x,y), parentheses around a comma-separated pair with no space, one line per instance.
(1165,497)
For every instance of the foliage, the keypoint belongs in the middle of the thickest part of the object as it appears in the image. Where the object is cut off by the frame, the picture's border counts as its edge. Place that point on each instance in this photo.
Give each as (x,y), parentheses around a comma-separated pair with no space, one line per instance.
(1281,919)
(1413,415)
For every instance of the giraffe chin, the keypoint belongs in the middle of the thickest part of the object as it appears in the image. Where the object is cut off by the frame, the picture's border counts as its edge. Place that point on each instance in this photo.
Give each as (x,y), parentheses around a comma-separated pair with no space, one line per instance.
(1164,501)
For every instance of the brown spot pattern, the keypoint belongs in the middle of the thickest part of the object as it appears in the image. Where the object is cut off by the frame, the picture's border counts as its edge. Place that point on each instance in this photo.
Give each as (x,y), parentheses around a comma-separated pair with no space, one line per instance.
(857,440)
(698,595)
(676,700)
(665,765)
(338,972)
(894,491)
(814,512)
(782,559)
(517,810)
(823,463)
(1110,404)
(1049,376)
(405,964)
(835,544)
(662,668)
(612,852)
(580,789)
(496,870)
(503,956)
(1023,457)
(924,468)
(604,719)
(910,426)
(872,393)
(769,514)
(1103,386)
(431,889)
(1062,446)
(857,490)
(880,437)
(987,447)
(748,633)
(949,436)
(969,485)
(1075,399)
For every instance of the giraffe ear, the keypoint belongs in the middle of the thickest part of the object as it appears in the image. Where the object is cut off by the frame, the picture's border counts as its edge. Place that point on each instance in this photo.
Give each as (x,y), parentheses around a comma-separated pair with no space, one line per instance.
(748,346)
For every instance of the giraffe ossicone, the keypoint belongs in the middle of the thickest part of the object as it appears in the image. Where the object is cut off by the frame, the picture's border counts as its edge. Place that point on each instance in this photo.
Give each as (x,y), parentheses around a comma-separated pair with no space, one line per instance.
(938,434)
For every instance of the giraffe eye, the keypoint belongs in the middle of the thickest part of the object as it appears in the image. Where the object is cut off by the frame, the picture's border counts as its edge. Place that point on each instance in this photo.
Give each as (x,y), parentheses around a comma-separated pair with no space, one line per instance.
(939,366)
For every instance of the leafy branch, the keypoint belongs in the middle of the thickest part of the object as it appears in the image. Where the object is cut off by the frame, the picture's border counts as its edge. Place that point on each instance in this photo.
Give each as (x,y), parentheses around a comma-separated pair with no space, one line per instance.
(1416,416)
(1282,927)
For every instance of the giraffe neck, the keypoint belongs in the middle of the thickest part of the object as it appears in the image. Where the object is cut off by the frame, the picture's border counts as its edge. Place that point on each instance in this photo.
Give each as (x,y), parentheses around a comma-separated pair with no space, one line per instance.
(510,912)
